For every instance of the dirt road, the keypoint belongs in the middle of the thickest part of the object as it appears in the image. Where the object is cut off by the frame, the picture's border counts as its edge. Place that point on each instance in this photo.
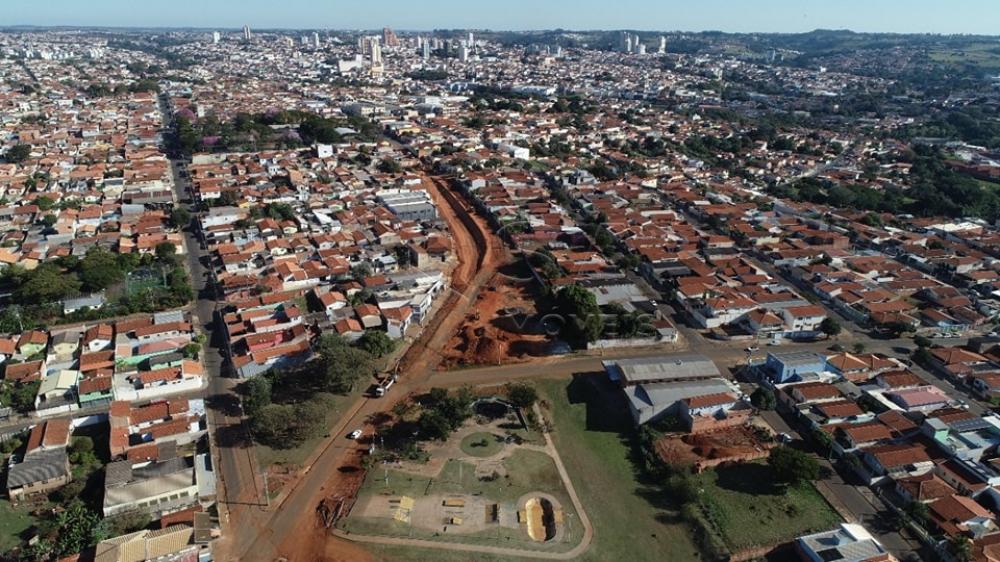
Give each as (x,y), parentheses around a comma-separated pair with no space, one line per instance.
(479,254)
(291,529)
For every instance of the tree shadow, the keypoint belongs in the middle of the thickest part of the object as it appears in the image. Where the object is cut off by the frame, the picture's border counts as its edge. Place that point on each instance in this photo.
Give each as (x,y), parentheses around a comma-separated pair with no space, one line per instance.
(232,436)
(748,478)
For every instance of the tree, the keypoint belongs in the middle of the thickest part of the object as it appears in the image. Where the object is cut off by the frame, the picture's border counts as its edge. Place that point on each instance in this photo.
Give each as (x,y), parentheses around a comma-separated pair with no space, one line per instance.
(180,217)
(49,221)
(522,395)
(46,284)
(99,269)
(792,466)
(257,394)
(763,399)
(192,350)
(388,166)
(285,426)
(128,522)
(342,365)
(79,529)
(961,547)
(165,251)
(376,343)
(922,341)
(23,397)
(582,319)
(18,153)
(830,326)
(858,347)
(433,425)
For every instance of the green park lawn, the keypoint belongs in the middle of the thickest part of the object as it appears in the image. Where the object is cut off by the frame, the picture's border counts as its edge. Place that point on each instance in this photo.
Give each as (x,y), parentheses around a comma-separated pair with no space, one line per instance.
(527,472)
(593,432)
(746,508)
(482,444)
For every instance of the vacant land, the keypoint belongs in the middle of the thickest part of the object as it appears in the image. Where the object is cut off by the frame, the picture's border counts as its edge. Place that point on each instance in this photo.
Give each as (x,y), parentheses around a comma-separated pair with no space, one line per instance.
(746,507)
(13,523)
(593,433)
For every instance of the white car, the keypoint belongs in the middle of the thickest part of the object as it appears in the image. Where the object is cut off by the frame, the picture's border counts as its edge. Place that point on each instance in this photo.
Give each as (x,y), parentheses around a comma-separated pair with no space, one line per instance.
(354,434)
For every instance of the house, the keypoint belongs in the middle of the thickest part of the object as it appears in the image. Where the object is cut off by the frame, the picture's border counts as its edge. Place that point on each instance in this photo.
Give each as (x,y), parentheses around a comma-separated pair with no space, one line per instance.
(45,466)
(961,515)
(32,343)
(896,460)
(923,488)
(788,366)
(397,321)
(803,321)
(985,385)
(65,344)
(98,337)
(57,393)
(848,543)
(920,399)
(169,544)
(709,412)
(89,302)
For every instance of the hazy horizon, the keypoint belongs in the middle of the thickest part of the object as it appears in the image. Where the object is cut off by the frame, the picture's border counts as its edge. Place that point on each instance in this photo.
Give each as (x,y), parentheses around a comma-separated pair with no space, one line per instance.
(972,17)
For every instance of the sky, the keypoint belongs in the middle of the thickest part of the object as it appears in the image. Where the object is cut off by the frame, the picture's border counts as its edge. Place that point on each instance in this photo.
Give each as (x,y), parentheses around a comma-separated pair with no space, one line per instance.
(903,16)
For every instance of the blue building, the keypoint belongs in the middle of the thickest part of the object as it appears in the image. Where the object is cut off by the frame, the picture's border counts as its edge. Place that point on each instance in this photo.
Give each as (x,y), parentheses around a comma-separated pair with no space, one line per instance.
(789,366)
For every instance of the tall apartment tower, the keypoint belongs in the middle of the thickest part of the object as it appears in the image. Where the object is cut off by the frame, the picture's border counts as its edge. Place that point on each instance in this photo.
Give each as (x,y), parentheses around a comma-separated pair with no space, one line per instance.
(427,50)
(663,46)
(216,37)
(472,40)
(389,37)
(316,39)
(246,32)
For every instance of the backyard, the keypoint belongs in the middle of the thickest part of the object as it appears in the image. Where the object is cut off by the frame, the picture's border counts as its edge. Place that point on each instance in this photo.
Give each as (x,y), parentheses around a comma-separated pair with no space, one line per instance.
(746,508)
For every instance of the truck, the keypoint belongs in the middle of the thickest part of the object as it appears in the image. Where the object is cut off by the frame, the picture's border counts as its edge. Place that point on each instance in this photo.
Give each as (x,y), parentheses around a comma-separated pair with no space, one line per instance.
(384,386)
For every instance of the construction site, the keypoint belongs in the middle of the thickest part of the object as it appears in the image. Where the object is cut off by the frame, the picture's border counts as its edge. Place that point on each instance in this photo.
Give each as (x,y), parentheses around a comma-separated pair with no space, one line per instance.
(702,451)
(504,326)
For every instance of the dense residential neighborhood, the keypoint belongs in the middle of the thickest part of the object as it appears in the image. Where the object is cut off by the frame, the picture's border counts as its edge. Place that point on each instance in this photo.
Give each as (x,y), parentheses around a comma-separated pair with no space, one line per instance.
(378,295)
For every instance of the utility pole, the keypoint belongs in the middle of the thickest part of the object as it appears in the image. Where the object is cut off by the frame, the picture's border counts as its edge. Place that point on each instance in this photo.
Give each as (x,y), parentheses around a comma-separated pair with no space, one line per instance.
(267,494)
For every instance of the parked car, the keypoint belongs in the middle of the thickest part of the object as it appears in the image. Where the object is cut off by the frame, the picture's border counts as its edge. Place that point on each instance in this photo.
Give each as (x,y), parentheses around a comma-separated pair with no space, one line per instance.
(354,434)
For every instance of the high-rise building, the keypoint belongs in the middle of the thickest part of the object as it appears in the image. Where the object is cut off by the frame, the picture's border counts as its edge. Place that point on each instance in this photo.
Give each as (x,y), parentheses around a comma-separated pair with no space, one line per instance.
(663,45)
(641,49)
(216,37)
(427,50)
(472,40)
(389,38)
(246,32)
(376,55)
(463,53)
(316,39)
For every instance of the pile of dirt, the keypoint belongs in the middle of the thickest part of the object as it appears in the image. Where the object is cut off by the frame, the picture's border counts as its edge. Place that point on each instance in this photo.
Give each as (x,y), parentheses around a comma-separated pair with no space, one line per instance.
(497,328)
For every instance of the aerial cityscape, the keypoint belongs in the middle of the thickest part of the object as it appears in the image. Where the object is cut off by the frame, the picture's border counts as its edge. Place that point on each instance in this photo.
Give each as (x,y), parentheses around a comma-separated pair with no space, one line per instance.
(500,288)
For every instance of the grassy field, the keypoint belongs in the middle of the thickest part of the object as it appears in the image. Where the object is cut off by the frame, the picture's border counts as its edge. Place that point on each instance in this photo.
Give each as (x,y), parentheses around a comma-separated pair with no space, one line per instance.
(266,456)
(13,522)
(593,433)
(482,444)
(983,55)
(747,509)
(528,471)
